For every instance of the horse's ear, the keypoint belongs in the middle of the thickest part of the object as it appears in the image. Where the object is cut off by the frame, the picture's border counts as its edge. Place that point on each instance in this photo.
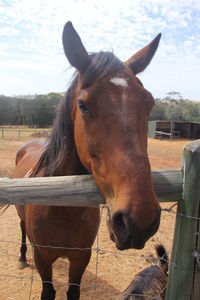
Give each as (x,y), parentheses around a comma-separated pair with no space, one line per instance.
(74,49)
(140,60)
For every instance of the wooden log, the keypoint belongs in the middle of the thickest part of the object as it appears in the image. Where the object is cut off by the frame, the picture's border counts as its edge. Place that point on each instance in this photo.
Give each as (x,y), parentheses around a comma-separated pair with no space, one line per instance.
(78,190)
(62,190)
(168,184)
(184,276)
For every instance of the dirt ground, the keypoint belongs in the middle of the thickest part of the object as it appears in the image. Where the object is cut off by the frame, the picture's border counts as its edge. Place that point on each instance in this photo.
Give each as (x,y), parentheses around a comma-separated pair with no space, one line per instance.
(114,269)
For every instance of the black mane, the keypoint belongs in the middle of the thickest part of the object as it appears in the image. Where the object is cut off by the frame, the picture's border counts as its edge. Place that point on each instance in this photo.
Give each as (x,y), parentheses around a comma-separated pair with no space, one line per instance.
(59,144)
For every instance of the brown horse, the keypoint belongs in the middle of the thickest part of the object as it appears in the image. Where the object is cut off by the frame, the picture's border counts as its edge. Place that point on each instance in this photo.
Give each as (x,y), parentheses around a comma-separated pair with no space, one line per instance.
(100,128)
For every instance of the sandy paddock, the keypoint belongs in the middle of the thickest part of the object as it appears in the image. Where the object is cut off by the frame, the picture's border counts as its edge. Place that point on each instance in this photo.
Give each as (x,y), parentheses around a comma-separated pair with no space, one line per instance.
(114,269)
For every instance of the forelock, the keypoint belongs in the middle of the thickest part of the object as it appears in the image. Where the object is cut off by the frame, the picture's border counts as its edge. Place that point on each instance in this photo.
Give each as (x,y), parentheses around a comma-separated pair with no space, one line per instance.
(101,65)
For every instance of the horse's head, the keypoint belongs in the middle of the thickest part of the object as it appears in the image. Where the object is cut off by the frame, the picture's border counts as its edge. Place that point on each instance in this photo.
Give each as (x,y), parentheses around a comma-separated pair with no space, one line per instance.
(110,113)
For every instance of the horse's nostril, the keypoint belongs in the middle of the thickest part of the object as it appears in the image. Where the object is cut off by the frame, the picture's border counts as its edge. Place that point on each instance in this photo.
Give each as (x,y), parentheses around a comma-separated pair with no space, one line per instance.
(126,232)
(120,224)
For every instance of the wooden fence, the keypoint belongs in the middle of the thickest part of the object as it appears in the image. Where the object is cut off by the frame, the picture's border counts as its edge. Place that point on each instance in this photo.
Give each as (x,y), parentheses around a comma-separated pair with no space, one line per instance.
(82,189)
(23,133)
(170,185)
(184,276)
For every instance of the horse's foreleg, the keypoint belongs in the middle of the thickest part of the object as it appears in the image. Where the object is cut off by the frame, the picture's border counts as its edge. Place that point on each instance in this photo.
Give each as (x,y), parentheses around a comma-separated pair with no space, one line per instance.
(43,264)
(78,264)
(22,259)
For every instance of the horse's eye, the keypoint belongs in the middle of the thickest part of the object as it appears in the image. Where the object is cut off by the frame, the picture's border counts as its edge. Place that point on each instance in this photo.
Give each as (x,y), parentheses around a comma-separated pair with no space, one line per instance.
(83,107)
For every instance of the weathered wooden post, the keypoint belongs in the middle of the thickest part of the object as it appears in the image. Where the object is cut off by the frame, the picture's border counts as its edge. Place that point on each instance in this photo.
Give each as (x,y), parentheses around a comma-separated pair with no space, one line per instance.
(184,276)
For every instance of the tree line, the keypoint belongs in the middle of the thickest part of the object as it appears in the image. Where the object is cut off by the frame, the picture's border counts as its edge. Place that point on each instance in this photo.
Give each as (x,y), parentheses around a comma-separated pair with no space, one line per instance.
(37,112)
(40,111)
(176,110)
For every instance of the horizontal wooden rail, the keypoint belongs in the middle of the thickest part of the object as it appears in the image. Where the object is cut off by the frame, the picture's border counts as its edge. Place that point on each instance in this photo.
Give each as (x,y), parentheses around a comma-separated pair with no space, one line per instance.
(168,184)
(78,190)
(162,132)
(172,134)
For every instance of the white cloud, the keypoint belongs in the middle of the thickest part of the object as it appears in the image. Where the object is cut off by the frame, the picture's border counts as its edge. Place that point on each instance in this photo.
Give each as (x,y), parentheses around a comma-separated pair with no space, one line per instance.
(30,39)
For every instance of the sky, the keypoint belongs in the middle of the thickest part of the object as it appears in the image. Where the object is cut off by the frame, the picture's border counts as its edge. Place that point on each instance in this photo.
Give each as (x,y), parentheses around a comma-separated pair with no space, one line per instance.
(32,59)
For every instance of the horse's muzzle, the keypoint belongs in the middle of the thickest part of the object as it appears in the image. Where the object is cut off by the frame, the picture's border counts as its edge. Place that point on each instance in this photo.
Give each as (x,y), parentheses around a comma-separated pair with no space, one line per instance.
(126,234)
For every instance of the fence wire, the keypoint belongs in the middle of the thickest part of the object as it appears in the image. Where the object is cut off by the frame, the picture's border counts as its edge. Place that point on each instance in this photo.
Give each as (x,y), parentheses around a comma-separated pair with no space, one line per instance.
(99,252)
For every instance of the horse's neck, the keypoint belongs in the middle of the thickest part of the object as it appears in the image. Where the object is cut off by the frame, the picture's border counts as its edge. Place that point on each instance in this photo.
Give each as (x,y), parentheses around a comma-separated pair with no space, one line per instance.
(71,164)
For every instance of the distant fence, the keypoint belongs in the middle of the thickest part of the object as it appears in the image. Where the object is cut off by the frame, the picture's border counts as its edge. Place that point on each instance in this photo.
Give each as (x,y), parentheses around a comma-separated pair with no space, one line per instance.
(19,133)
(170,185)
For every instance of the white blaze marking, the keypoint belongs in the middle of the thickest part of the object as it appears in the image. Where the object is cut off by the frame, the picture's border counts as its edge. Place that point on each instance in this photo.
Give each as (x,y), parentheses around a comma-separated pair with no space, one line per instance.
(119,81)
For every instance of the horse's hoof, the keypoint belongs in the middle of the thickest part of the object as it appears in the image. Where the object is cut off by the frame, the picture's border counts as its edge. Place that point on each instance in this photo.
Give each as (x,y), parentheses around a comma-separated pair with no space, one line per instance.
(22,265)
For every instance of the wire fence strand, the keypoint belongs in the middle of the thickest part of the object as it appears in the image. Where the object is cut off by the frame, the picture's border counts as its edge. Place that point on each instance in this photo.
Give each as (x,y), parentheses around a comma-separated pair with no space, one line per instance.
(98,251)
